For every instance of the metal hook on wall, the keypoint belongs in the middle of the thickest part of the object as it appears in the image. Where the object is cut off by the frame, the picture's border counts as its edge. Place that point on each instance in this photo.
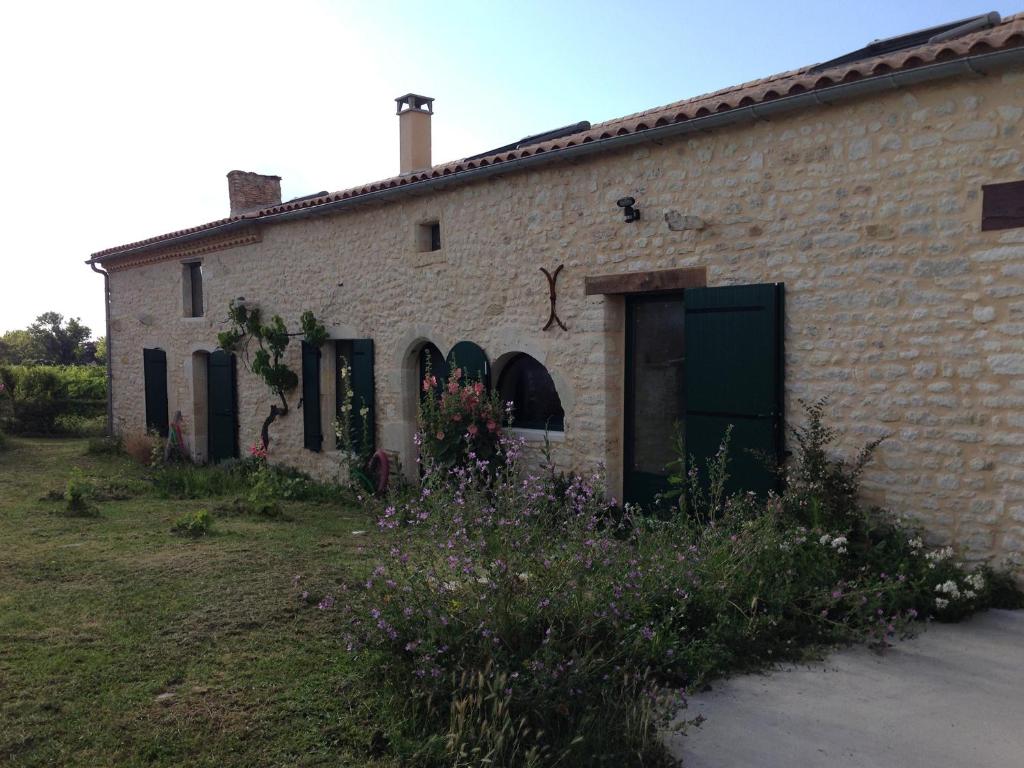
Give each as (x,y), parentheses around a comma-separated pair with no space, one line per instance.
(553,295)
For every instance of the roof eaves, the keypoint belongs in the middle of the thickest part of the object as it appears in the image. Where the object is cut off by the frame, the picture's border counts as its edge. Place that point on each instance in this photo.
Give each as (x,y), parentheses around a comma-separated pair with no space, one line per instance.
(1008,34)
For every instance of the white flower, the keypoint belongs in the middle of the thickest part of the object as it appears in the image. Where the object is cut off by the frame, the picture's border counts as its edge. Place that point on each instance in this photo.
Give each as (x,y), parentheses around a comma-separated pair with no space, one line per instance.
(825,539)
(970,594)
(839,544)
(524,577)
(950,588)
(916,543)
(940,603)
(976,581)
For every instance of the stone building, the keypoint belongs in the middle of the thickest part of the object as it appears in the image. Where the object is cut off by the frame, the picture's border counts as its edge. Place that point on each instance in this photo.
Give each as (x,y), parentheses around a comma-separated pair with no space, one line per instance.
(853,229)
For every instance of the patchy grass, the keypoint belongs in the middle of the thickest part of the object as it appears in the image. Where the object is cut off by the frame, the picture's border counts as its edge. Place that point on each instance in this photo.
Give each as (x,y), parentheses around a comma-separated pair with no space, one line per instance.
(123,645)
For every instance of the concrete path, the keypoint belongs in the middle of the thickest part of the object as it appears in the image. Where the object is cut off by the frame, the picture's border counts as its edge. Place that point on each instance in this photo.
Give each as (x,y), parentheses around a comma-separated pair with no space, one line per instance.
(953,697)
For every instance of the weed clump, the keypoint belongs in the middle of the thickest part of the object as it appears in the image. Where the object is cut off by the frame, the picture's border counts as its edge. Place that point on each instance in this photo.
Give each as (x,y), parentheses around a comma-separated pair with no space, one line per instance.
(76,497)
(193,524)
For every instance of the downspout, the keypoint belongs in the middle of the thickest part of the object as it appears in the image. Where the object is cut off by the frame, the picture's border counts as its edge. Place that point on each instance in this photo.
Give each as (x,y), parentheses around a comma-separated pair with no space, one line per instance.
(110,348)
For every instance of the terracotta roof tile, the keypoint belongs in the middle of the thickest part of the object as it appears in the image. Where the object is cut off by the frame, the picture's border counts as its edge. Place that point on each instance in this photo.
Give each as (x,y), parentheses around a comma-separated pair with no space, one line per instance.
(1007,34)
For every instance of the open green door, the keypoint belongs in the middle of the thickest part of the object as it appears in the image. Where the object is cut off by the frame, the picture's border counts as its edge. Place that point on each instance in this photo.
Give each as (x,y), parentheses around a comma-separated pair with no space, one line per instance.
(223,407)
(734,376)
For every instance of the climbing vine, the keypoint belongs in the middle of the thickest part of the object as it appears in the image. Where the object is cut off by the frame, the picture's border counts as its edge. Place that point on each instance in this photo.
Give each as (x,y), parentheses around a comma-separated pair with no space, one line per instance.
(271,340)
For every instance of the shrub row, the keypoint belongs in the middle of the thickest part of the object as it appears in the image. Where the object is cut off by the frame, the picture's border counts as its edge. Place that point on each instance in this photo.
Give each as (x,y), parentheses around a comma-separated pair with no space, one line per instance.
(53,399)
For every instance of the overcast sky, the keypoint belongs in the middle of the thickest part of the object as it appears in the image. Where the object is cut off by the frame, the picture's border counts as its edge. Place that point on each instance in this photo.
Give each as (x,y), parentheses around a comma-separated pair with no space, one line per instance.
(122,119)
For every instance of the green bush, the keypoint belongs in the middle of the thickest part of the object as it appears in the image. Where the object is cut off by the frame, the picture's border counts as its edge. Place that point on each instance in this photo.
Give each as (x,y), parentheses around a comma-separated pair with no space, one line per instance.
(193,524)
(104,446)
(77,497)
(53,399)
(517,622)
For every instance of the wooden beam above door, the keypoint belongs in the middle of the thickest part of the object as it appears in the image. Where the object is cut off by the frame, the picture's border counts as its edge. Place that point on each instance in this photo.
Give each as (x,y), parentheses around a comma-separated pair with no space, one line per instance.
(658,281)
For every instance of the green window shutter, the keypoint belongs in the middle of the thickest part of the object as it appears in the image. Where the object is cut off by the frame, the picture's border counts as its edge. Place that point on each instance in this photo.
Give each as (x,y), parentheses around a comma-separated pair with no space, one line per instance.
(472,360)
(155,374)
(312,433)
(734,375)
(363,394)
(223,407)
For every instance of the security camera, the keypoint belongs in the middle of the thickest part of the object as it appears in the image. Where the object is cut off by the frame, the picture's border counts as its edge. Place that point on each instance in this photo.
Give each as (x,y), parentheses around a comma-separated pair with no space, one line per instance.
(627,203)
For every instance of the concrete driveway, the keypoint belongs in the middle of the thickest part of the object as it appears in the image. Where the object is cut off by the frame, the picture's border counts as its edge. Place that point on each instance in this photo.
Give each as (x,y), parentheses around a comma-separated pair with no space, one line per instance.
(951,697)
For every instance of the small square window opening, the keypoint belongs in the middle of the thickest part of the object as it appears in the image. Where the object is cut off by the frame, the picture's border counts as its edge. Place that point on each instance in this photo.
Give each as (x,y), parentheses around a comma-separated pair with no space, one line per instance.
(428,236)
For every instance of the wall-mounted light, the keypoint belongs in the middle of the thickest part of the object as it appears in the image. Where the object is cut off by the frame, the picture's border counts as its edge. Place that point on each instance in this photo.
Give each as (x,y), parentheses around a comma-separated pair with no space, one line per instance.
(628,207)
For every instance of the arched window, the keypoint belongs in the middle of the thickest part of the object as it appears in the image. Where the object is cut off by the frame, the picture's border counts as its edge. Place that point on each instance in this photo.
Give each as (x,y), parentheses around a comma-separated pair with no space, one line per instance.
(528,385)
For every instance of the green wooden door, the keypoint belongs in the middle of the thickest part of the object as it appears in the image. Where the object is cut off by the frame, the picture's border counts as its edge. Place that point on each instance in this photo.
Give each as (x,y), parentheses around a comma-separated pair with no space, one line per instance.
(312,433)
(734,376)
(654,392)
(154,362)
(223,407)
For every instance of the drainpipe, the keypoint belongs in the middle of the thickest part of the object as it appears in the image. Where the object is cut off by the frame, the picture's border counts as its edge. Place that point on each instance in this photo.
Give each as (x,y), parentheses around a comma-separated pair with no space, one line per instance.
(110,350)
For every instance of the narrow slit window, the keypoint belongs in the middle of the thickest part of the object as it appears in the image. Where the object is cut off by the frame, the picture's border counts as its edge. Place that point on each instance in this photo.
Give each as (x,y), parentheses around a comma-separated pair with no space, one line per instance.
(194,294)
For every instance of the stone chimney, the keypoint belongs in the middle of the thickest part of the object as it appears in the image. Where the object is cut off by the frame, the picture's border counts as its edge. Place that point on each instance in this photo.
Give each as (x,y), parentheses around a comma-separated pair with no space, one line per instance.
(251,191)
(414,131)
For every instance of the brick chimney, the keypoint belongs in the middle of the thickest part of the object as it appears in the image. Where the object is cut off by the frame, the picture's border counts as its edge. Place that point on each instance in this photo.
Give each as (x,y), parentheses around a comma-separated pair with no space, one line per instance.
(252,191)
(414,113)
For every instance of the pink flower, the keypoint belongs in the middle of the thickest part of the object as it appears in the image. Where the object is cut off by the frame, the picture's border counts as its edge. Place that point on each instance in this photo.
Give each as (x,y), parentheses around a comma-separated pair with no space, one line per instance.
(472,430)
(478,388)
(453,387)
(491,426)
(456,417)
(440,435)
(457,374)
(429,382)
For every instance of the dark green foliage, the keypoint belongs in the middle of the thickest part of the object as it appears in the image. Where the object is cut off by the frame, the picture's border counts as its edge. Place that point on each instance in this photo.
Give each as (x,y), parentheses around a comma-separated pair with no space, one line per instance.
(104,446)
(60,342)
(76,497)
(53,400)
(193,524)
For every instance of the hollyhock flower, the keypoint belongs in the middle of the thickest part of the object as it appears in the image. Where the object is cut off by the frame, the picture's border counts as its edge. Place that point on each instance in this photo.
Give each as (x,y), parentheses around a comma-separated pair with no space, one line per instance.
(472,430)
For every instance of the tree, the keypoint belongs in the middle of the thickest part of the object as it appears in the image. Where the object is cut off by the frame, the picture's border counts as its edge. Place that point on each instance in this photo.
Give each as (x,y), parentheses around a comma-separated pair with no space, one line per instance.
(17,347)
(271,340)
(59,342)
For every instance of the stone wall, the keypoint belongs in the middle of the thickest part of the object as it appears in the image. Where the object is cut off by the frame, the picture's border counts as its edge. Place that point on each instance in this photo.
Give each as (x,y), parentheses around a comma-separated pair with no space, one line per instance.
(898,306)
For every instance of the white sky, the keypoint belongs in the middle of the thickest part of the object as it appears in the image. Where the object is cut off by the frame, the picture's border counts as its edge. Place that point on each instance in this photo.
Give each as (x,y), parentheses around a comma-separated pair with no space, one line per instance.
(121,119)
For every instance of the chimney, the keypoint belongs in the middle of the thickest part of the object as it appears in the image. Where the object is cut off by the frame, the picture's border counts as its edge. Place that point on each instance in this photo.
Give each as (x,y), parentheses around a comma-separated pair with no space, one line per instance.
(251,191)
(414,131)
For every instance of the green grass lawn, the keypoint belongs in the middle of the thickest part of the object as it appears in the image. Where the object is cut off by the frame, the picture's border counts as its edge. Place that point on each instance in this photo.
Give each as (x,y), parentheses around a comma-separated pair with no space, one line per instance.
(121,644)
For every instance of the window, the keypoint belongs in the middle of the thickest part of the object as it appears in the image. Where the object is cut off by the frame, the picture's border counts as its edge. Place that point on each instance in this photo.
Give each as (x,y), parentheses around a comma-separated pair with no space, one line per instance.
(428,236)
(192,284)
(528,385)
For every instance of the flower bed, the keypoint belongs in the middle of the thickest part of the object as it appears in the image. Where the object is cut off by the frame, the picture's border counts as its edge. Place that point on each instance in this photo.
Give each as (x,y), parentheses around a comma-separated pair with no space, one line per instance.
(525,621)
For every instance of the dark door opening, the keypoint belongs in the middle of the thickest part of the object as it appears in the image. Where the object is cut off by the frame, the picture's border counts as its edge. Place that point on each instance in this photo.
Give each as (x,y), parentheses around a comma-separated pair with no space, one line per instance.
(654,392)
(699,362)
(222,401)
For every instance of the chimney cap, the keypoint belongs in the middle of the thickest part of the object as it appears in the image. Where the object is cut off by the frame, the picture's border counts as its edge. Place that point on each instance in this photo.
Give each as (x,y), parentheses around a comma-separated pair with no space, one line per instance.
(414,102)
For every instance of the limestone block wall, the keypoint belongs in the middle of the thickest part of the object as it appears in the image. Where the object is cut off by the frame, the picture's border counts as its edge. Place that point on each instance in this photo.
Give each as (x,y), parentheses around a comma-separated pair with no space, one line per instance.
(898,306)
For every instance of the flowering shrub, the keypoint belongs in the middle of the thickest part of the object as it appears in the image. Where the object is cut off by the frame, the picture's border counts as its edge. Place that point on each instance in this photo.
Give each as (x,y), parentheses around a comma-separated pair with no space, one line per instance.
(520,621)
(466,418)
